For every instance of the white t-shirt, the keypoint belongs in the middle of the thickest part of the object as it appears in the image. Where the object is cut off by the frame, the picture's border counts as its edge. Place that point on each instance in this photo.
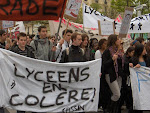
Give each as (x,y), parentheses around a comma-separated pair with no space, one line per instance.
(98,54)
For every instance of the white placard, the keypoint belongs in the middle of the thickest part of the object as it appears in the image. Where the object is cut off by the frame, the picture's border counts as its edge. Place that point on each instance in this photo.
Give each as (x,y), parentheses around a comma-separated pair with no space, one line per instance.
(72,9)
(8,24)
(106,28)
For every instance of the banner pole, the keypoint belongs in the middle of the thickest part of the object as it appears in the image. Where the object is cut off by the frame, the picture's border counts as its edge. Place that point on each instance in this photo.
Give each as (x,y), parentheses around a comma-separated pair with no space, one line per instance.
(67,26)
(57,34)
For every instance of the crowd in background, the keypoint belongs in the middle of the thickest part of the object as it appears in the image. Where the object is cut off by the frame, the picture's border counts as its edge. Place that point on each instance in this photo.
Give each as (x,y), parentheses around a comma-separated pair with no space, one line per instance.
(115,90)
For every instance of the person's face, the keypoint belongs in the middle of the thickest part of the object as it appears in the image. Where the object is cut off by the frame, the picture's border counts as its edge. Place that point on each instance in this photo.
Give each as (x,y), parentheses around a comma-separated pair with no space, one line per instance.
(104,46)
(95,47)
(67,37)
(43,33)
(94,41)
(85,42)
(118,42)
(131,53)
(78,40)
(143,42)
(52,39)
(28,40)
(22,41)
(144,51)
(4,36)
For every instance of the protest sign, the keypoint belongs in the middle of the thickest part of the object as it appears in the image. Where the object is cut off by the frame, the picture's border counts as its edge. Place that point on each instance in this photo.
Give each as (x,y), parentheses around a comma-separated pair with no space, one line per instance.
(126,23)
(140,82)
(140,24)
(19,27)
(72,9)
(7,24)
(26,10)
(91,16)
(41,86)
(106,28)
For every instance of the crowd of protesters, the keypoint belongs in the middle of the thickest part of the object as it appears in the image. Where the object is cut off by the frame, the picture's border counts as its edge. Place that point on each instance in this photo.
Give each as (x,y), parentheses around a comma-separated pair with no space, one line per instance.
(115,90)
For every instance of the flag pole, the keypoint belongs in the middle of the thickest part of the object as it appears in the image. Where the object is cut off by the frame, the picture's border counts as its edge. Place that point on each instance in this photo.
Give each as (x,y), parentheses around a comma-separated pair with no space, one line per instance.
(57,34)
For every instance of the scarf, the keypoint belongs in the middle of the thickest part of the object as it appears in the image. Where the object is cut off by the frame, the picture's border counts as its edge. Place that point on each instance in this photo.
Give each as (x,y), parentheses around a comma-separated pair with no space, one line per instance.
(120,55)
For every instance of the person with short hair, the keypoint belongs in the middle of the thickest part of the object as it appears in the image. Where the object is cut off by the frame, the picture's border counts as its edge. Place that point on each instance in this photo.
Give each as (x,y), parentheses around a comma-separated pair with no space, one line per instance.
(3,36)
(73,53)
(29,39)
(63,43)
(42,46)
(22,49)
(52,39)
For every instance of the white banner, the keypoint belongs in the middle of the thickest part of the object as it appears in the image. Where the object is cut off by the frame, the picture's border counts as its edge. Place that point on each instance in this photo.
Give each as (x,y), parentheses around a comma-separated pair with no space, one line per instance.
(140,24)
(137,25)
(91,16)
(140,82)
(33,85)
(92,32)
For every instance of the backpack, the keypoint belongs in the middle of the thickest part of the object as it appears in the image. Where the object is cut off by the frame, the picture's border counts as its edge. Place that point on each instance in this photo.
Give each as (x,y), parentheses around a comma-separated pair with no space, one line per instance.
(36,44)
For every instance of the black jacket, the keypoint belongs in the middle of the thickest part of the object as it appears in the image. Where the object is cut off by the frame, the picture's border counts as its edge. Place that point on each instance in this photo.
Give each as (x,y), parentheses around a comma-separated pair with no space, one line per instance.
(88,55)
(29,51)
(108,66)
(75,55)
(2,45)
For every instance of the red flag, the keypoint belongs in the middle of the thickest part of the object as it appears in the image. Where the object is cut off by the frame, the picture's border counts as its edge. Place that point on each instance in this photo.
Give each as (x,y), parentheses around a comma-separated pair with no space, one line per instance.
(26,10)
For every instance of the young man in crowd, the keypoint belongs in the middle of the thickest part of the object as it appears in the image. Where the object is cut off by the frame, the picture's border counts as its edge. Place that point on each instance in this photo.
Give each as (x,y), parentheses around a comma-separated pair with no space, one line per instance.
(2,45)
(29,39)
(22,48)
(63,43)
(42,46)
(74,53)
(3,36)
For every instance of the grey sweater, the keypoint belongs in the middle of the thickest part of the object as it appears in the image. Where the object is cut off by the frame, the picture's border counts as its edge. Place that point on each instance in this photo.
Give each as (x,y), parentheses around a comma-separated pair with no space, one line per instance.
(43,49)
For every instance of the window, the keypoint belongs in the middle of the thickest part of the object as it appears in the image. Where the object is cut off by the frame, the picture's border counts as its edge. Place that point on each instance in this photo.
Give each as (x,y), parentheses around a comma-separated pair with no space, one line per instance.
(96,1)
